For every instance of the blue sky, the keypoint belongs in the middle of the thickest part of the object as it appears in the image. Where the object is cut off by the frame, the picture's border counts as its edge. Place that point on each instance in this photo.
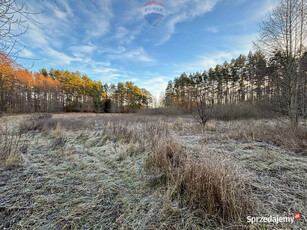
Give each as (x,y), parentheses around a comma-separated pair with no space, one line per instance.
(110,41)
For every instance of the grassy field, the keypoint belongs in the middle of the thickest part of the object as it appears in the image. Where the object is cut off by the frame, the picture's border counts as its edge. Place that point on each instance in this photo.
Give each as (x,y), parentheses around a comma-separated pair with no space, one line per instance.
(113,171)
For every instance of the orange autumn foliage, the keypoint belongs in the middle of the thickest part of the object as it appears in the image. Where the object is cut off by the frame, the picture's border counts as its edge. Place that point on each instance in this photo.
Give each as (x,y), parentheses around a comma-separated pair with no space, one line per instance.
(22,91)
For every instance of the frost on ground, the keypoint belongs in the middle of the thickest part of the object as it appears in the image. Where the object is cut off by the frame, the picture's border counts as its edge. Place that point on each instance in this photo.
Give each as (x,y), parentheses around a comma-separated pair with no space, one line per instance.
(105,172)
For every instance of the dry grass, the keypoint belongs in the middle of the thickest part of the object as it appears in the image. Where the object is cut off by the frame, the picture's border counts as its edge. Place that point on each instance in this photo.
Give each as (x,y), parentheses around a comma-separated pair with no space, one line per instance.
(147,172)
(205,180)
(272,132)
(11,148)
(168,111)
(37,122)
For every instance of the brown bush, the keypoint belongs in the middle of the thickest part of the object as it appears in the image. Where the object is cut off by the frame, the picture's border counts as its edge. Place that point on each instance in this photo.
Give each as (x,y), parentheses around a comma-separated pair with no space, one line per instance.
(209,182)
(10,144)
(215,185)
(169,156)
(228,112)
(37,122)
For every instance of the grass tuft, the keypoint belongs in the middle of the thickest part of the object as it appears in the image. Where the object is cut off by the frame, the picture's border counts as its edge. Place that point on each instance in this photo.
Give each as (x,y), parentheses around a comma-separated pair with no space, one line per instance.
(206,181)
(10,148)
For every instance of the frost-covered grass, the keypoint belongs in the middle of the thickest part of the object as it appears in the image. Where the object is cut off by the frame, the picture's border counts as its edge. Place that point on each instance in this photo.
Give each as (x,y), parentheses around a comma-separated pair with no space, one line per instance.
(149,172)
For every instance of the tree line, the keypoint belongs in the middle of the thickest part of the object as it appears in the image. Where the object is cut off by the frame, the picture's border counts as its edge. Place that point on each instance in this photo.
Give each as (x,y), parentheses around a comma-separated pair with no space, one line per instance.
(276,74)
(22,91)
(247,78)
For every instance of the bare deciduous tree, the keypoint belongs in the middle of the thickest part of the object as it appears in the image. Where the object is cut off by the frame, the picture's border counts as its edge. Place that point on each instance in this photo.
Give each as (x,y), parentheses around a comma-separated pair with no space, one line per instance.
(201,109)
(14,19)
(285,32)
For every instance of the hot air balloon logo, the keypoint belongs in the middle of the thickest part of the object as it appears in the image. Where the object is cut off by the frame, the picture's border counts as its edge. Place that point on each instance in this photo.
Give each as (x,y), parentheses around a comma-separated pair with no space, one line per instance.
(153,12)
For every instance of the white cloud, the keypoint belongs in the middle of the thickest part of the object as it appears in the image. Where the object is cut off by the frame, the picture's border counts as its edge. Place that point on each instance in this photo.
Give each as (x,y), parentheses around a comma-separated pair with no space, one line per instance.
(110,50)
(82,51)
(133,14)
(204,62)
(63,11)
(25,53)
(241,44)
(126,36)
(104,64)
(170,27)
(213,29)
(183,10)
(98,15)
(155,84)
(138,54)
(56,28)
(61,58)
(105,70)
(211,60)
(260,11)
(264,9)
(121,32)
(37,37)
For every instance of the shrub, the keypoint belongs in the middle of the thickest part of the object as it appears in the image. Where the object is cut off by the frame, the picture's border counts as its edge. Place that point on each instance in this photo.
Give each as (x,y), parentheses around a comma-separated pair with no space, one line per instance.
(41,116)
(209,182)
(246,110)
(10,144)
(214,184)
(37,122)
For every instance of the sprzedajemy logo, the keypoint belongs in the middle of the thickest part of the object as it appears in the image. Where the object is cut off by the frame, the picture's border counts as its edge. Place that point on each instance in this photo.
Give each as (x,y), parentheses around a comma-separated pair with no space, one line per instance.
(274,219)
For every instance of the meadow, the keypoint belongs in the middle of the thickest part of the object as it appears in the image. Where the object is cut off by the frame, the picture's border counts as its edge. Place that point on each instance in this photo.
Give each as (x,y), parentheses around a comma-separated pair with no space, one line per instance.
(134,171)
(89,141)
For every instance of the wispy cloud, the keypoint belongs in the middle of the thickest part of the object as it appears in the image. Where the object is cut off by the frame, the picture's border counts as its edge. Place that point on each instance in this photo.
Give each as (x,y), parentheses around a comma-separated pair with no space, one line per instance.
(213,29)
(25,53)
(204,62)
(260,11)
(137,54)
(125,36)
(61,9)
(82,51)
(155,83)
(102,71)
(57,28)
(98,16)
(60,57)
(183,10)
